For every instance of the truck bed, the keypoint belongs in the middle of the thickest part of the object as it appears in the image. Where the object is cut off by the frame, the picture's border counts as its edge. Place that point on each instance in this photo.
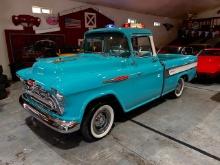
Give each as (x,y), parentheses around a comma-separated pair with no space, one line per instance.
(176,60)
(165,57)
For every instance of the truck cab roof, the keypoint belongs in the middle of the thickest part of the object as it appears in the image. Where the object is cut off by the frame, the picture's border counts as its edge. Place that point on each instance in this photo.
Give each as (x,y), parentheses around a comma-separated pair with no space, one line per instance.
(126,31)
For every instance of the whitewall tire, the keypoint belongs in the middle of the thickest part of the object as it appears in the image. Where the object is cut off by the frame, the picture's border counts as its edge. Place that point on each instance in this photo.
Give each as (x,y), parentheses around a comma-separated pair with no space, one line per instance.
(98,122)
(179,88)
(102,121)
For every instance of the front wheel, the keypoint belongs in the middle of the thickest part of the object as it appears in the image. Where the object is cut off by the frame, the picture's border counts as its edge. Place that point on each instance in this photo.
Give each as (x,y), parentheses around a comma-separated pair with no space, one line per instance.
(98,122)
(179,88)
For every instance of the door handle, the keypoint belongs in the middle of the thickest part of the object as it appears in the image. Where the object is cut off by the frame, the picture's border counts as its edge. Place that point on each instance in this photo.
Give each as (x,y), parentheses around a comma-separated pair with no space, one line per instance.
(137,74)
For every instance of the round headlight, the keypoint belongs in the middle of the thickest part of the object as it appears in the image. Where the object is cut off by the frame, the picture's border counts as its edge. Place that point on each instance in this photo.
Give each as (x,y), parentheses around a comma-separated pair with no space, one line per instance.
(59,96)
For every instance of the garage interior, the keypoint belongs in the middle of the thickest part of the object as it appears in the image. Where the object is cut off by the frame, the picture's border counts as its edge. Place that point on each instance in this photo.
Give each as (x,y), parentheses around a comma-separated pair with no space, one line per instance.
(165,131)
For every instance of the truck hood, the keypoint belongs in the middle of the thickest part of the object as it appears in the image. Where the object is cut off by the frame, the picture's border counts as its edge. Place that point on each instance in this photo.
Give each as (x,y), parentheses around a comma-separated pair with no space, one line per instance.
(62,73)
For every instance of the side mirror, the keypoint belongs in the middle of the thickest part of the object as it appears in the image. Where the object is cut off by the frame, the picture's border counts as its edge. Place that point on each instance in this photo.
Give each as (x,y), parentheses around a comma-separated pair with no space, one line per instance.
(135,53)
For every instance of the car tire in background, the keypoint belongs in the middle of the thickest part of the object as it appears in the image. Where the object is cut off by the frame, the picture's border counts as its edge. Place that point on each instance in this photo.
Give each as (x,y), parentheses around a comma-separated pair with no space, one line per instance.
(179,88)
(98,122)
(1,70)
(4,80)
(3,92)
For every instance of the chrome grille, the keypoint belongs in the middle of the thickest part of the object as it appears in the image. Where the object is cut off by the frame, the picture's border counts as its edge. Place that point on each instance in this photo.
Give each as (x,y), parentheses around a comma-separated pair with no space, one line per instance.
(42,97)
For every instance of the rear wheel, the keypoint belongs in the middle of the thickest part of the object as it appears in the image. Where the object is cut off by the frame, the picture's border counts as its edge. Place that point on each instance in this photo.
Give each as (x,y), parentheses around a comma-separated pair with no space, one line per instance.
(98,122)
(179,88)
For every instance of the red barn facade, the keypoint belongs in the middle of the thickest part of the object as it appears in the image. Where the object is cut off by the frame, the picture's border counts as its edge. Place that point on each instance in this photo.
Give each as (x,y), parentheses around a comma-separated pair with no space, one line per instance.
(75,24)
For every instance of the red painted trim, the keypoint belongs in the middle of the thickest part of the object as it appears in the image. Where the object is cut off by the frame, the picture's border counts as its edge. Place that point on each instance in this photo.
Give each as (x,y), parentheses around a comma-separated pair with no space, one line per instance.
(117,79)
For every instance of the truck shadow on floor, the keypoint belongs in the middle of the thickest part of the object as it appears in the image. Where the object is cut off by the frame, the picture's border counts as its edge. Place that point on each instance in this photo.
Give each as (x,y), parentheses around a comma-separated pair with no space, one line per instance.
(62,141)
(72,140)
(140,110)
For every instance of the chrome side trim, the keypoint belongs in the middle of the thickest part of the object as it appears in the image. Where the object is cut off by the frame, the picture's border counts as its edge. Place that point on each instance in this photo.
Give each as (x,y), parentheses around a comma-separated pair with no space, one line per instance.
(117,79)
(54,123)
(179,69)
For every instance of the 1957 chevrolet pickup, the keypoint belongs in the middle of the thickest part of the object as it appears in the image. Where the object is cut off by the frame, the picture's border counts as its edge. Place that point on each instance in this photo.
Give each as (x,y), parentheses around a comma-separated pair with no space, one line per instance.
(118,70)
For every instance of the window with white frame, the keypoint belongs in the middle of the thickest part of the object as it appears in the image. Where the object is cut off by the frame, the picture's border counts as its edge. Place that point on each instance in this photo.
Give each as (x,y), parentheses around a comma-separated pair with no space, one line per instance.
(156,23)
(142,46)
(41,10)
(130,20)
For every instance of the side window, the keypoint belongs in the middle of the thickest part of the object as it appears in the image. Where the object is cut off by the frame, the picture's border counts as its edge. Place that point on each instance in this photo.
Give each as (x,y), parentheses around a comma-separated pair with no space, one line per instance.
(142,46)
(188,51)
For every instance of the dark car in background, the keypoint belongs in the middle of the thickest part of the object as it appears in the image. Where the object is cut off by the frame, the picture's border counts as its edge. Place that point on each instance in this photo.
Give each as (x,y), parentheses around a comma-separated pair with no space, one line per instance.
(40,49)
(173,49)
(198,47)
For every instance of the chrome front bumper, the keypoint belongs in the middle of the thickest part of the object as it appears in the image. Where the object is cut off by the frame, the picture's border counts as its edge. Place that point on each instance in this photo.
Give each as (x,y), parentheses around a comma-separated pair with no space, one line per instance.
(54,123)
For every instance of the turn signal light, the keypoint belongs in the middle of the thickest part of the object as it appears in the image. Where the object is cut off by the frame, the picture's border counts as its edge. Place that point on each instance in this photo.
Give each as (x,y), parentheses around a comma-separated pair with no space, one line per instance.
(31,83)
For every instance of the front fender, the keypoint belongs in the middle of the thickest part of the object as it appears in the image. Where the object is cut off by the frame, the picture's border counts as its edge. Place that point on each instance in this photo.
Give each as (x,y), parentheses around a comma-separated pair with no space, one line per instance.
(75,104)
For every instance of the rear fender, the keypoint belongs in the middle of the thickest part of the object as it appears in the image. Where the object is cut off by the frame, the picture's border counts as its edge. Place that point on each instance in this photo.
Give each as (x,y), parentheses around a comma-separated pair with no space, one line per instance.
(171,81)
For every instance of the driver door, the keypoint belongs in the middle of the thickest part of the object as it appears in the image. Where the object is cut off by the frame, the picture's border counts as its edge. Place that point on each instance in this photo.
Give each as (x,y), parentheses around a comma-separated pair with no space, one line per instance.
(146,70)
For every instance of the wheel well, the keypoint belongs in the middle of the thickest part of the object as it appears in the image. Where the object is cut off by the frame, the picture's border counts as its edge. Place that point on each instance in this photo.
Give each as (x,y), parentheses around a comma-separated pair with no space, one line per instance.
(110,99)
(185,77)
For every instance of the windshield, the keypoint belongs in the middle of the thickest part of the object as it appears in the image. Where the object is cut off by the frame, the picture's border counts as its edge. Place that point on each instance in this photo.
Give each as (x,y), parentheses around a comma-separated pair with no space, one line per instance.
(110,44)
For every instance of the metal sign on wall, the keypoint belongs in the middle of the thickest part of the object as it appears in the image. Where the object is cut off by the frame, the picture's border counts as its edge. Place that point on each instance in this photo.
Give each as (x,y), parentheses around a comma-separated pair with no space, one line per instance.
(90,20)
(72,23)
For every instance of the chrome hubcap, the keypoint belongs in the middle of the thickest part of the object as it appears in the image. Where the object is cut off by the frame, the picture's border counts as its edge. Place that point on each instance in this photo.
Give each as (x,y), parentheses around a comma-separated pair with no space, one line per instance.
(101,122)
(179,87)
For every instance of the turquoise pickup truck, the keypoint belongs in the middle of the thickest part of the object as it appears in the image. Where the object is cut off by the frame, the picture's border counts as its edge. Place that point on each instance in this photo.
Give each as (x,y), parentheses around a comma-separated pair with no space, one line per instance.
(118,70)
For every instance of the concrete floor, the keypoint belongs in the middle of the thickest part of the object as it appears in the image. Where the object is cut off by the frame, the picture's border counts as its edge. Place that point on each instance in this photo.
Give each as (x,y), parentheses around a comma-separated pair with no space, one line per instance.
(168,131)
